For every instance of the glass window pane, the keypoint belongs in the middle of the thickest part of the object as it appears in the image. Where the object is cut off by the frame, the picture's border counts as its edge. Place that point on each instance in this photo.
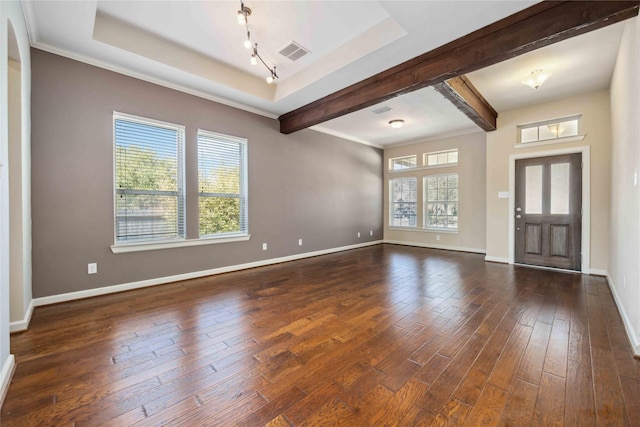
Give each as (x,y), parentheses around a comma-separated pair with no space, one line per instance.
(453,157)
(441,211)
(533,189)
(403,193)
(222,164)
(548,132)
(560,188)
(529,134)
(148,180)
(568,128)
(442,158)
(400,163)
(442,182)
(432,160)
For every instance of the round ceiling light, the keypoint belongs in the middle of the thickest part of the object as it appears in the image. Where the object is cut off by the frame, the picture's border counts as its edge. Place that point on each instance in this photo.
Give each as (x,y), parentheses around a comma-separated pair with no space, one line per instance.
(396,123)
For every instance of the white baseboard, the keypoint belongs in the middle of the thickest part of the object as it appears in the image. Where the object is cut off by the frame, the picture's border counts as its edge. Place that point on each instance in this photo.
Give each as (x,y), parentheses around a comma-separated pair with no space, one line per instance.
(435,246)
(599,272)
(628,326)
(22,325)
(53,299)
(5,376)
(490,258)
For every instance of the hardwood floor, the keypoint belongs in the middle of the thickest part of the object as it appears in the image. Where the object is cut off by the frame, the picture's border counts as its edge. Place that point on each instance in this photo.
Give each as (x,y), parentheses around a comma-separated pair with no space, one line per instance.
(384,335)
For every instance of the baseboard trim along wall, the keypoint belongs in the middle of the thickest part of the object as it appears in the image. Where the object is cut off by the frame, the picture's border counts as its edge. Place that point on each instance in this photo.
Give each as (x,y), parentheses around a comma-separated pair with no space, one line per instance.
(628,326)
(490,258)
(435,246)
(5,376)
(22,325)
(598,272)
(54,299)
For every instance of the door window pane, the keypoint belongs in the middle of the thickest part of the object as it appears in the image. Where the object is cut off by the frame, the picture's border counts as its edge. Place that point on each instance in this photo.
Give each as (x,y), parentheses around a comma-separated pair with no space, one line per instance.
(533,189)
(560,188)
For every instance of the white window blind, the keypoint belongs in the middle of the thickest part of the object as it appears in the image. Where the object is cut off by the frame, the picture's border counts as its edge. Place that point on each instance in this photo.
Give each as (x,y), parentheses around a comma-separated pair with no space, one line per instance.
(222,179)
(149,195)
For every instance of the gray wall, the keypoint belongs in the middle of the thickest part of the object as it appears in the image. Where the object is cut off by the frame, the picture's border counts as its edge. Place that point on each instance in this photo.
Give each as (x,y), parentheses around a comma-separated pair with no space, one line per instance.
(308,185)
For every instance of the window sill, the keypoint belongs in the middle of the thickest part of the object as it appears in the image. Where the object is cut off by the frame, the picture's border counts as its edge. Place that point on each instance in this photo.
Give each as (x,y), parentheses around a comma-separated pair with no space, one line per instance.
(120,249)
(424,230)
(423,168)
(549,142)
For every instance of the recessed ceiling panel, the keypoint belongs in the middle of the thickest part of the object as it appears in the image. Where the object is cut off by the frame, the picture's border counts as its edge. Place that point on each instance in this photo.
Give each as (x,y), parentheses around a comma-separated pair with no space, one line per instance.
(211,27)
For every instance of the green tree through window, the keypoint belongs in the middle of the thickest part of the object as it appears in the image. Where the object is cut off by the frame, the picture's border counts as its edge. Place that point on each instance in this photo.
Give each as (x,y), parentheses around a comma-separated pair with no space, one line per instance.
(149,200)
(222,182)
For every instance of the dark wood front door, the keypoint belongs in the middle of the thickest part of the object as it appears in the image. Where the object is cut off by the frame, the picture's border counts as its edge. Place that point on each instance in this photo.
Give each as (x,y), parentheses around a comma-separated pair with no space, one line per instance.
(548,214)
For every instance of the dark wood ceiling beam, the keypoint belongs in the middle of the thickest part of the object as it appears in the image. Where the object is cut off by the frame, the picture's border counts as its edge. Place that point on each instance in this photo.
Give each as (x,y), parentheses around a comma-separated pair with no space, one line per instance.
(464,95)
(543,24)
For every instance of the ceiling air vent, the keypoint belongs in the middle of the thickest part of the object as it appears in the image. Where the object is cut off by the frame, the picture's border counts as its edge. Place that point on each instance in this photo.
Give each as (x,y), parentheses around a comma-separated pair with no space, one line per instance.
(293,51)
(381,110)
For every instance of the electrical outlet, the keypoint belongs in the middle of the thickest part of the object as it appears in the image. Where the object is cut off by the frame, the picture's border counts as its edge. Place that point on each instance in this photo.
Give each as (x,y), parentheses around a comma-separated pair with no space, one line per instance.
(299,242)
(92,268)
(358,234)
(370,232)
(264,246)
(437,237)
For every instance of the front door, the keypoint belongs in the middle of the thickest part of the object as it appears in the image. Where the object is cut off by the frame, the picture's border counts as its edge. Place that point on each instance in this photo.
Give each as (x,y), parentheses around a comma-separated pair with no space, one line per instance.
(548,215)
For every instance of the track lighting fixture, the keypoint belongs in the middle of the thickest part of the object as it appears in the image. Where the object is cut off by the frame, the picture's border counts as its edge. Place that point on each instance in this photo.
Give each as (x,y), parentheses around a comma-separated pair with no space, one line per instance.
(243,19)
(243,13)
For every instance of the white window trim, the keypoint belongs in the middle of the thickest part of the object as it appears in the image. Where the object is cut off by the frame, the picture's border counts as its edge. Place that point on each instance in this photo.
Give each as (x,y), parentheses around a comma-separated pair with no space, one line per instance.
(549,142)
(120,249)
(425,230)
(529,125)
(423,168)
(181,178)
(391,159)
(425,156)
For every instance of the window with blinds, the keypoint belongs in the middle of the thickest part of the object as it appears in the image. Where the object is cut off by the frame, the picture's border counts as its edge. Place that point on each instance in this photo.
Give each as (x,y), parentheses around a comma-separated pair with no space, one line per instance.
(222,179)
(149,194)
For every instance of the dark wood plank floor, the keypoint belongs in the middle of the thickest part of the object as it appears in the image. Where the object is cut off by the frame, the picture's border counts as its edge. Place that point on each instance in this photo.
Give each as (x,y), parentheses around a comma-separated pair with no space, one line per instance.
(385,335)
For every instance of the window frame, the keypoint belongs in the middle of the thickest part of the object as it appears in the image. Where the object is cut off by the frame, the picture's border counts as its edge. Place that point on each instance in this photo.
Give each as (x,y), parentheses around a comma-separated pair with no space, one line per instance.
(425,158)
(242,195)
(392,203)
(180,182)
(550,122)
(426,201)
(391,162)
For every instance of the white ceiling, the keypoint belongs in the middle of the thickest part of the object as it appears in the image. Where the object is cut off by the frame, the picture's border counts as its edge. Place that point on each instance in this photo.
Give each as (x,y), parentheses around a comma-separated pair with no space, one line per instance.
(196,47)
